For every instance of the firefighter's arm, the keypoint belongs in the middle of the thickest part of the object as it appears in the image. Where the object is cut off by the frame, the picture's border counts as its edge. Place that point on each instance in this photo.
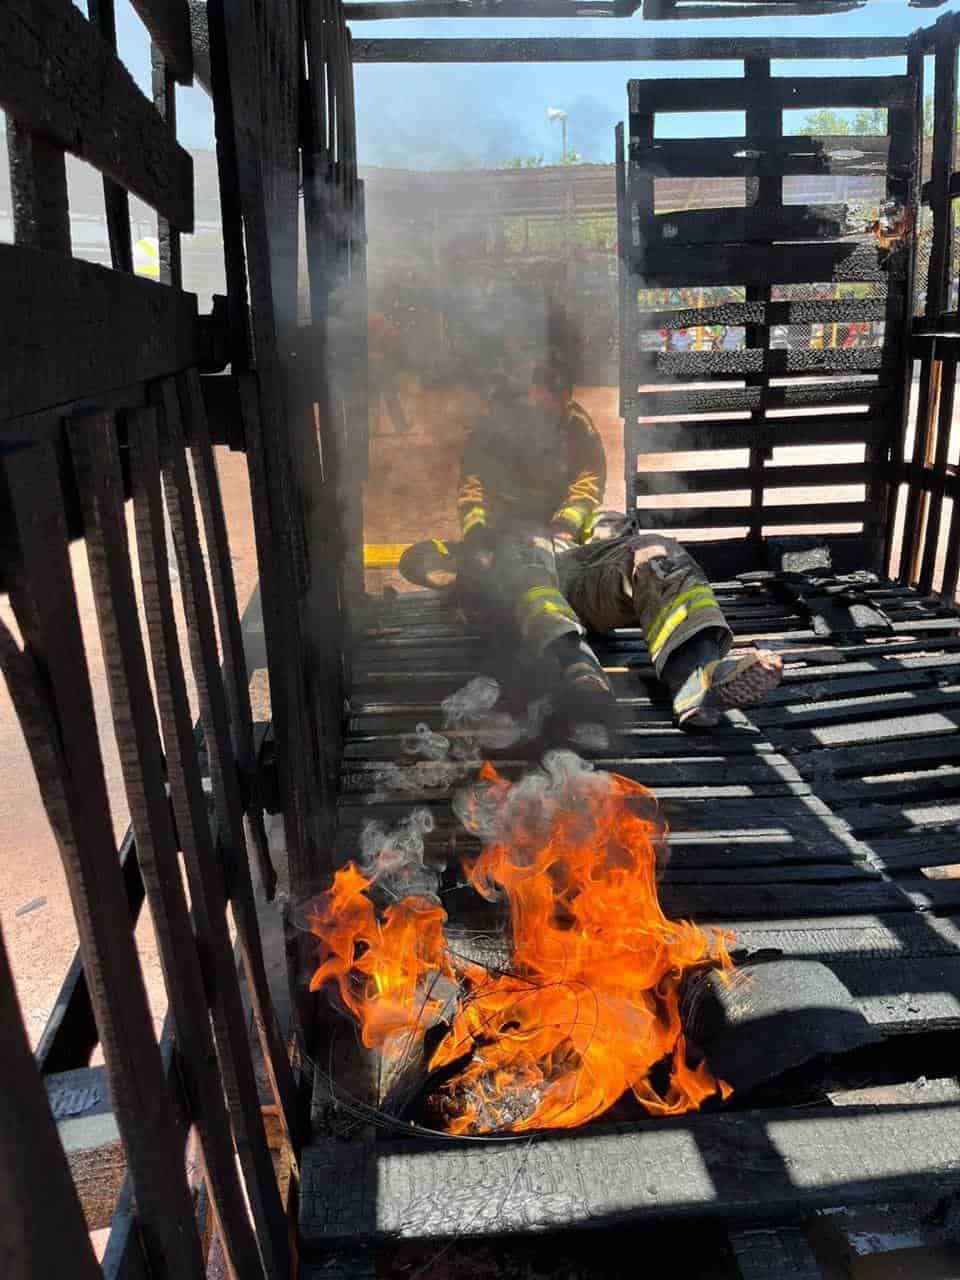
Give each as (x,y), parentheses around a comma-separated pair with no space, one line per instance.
(574,520)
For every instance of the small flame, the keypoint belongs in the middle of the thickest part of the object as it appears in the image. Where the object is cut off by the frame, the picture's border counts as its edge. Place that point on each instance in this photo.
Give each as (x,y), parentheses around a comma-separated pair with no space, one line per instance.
(591,1003)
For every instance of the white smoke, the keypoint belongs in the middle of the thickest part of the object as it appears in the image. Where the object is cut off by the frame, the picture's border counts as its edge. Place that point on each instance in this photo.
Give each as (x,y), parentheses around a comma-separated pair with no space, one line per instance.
(394,861)
(472,726)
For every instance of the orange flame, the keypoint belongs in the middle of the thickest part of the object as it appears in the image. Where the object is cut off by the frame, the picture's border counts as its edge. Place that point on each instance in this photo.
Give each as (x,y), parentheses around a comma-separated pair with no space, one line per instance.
(591,1003)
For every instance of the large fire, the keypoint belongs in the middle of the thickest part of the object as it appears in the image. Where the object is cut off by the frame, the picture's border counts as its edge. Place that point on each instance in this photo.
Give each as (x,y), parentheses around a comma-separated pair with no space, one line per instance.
(590,1003)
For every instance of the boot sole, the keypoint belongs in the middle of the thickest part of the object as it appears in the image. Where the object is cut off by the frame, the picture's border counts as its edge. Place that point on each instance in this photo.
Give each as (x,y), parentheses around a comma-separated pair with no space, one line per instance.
(744,688)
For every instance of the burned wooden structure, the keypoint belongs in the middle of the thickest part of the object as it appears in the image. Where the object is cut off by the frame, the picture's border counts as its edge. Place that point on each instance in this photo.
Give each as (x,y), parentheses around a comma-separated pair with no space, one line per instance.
(807,826)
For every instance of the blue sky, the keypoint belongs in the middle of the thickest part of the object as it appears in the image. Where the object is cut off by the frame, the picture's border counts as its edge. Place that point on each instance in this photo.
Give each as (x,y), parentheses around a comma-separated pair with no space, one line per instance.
(425,116)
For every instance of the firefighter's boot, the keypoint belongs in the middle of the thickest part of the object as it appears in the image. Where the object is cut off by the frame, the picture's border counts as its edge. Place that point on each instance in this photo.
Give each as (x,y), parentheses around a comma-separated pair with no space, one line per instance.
(587,705)
(703,685)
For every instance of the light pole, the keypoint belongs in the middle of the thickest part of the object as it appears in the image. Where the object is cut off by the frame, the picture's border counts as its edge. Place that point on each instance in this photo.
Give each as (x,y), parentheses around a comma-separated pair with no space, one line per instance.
(553,115)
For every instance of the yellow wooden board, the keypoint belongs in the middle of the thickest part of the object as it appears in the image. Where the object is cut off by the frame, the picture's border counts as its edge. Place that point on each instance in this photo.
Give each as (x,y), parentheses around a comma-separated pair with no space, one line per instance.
(383,555)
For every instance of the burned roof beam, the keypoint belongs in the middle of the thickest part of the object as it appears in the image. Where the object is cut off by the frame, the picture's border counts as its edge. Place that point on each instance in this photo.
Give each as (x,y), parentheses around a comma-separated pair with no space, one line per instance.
(623,49)
(377,11)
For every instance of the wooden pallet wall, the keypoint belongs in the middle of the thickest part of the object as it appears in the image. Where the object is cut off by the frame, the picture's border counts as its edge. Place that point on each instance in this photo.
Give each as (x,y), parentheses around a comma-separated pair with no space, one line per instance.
(769,265)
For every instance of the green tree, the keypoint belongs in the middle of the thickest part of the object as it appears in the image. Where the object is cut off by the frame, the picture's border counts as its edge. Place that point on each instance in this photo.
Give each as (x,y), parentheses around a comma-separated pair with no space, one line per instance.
(826,123)
(524,162)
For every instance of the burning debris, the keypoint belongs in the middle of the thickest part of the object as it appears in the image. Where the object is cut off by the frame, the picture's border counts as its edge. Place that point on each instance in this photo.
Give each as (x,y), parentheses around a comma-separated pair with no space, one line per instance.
(588,1009)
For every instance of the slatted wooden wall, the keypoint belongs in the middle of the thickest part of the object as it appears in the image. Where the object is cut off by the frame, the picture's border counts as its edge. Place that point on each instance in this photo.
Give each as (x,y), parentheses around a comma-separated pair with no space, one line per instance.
(928,544)
(773,263)
(103,400)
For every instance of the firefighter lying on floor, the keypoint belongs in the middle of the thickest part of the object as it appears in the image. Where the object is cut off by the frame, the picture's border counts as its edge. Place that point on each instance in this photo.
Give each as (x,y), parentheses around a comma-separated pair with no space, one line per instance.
(536,559)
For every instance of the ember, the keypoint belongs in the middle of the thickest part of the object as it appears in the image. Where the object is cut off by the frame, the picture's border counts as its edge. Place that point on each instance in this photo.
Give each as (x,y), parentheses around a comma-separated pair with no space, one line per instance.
(590,1004)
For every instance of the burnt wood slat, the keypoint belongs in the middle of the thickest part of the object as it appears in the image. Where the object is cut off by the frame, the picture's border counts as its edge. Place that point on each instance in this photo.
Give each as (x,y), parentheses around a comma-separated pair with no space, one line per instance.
(168,22)
(165,101)
(50,689)
(757,264)
(84,353)
(96,459)
(694,1167)
(278,443)
(734,517)
(38,185)
(207,890)
(728,481)
(228,614)
(216,728)
(782,223)
(779,94)
(42,1227)
(697,366)
(842,311)
(764,158)
(604,49)
(63,82)
(687,437)
(115,199)
(666,401)
(70,1034)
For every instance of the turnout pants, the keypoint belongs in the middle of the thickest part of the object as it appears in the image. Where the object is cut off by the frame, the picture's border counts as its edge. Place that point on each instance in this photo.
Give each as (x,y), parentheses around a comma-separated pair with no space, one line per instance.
(542,590)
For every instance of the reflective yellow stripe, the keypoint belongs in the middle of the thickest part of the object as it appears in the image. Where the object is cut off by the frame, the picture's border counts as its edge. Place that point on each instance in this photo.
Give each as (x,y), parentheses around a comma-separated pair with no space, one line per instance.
(692,594)
(587,528)
(586,487)
(538,600)
(571,516)
(541,593)
(441,546)
(674,621)
(476,515)
(547,606)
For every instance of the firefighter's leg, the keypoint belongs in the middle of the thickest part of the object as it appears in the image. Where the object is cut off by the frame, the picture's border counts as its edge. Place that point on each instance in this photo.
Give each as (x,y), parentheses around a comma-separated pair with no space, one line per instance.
(651,582)
(547,626)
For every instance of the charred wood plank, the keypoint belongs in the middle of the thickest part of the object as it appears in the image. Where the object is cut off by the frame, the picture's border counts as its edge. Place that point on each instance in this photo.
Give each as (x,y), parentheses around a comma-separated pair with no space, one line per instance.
(733,94)
(844,311)
(116,200)
(774,1253)
(96,457)
(686,437)
(228,615)
(38,185)
(168,22)
(865,718)
(214,717)
(207,889)
(763,158)
(695,366)
(70,1035)
(50,689)
(756,264)
(901,727)
(616,49)
(63,82)
(83,352)
(735,517)
(693,1168)
(42,1227)
(723,481)
(668,402)
(732,226)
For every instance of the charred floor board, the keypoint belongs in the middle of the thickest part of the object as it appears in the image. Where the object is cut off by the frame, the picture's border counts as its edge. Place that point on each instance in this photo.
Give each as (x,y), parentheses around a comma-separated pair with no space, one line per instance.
(807,828)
